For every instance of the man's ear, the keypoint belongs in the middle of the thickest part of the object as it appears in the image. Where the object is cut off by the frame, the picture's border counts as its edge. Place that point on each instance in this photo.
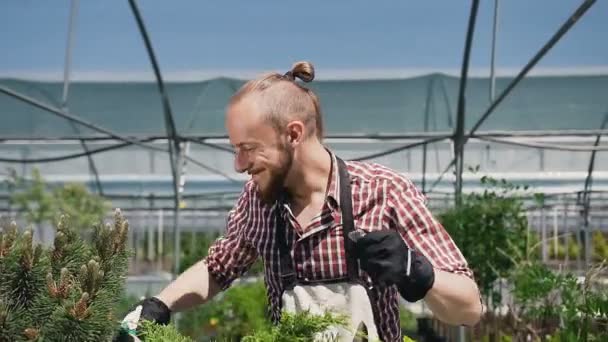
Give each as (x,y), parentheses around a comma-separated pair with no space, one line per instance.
(295,132)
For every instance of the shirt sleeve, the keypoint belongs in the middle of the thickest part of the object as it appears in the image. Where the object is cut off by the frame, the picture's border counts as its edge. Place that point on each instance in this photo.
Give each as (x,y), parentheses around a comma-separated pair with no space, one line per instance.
(421,230)
(231,255)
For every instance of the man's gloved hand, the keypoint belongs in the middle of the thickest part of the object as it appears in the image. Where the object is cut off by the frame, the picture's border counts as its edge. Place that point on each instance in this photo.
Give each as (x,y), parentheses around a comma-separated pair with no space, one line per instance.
(150,309)
(388,261)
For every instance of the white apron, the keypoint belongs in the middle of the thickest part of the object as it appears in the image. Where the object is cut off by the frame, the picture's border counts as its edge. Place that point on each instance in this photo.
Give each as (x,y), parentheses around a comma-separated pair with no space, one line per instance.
(343,296)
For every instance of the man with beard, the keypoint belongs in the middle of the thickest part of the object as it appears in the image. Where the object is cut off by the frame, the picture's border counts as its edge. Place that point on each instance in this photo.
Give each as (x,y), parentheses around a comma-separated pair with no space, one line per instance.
(348,237)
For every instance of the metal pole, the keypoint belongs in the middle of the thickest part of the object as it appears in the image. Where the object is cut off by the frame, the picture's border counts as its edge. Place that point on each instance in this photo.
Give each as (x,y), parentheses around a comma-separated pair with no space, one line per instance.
(181,180)
(75,118)
(174,140)
(161,234)
(493,56)
(459,138)
(400,148)
(176,228)
(66,88)
(68,53)
(580,11)
(555,233)
(426,128)
(540,54)
(587,198)
(543,234)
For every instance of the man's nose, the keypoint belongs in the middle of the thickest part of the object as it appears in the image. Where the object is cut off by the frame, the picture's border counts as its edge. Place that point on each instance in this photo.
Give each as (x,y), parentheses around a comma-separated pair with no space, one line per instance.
(241,164)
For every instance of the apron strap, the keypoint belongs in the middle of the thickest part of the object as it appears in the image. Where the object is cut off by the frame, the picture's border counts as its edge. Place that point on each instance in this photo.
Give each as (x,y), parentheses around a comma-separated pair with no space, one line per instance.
(348,222)
(287,272)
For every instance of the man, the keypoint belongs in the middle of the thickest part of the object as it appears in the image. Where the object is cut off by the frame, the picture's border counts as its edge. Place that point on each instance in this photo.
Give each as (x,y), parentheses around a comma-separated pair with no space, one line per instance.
(343,236)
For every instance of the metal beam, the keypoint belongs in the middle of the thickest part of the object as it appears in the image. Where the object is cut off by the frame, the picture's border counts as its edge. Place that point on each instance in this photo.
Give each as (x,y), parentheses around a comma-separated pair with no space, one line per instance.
(330,137)
(427,109)
(566,26)
(587,198)
(446,100)
(493,52)
(66,88)
(67,156)
(73,118)
(210,145)
(571,148)
(398,149)
(580,11)
(174,145)
(459,138)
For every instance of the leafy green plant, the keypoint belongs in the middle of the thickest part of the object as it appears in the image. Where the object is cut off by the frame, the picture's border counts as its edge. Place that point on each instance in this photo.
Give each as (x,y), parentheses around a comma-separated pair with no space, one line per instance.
(66,292)
(549,303)
(41,203)
(407,320)
(569,248)
(195,247)
(76,201)
(299,327)
(152,332)
(230,316)
(239,310)
(600,246)
(490,228)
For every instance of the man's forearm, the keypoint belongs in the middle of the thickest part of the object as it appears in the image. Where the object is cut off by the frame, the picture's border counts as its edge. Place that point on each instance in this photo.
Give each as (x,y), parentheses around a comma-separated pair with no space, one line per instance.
(454,299)
(193,287)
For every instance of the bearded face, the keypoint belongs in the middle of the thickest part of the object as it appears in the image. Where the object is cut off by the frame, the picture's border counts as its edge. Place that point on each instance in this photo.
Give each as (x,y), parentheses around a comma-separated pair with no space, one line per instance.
(262,149)
(270,175)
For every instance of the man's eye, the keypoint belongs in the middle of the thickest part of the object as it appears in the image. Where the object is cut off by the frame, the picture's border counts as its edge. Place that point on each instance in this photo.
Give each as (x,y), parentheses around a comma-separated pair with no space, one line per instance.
(246,149)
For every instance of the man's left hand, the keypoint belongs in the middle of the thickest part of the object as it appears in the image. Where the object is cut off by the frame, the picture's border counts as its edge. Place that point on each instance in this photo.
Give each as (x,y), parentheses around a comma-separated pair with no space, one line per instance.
(388,261)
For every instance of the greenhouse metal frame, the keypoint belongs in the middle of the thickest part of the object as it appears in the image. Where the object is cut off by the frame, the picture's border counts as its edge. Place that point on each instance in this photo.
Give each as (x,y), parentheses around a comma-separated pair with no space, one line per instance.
(177,143)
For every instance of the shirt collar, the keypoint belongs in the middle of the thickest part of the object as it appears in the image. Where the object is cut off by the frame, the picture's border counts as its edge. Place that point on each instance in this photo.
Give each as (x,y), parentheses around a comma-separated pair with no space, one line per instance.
(333,187)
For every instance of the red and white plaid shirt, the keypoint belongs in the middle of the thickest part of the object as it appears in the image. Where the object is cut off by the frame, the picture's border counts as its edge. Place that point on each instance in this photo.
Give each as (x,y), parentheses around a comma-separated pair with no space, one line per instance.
(382,199)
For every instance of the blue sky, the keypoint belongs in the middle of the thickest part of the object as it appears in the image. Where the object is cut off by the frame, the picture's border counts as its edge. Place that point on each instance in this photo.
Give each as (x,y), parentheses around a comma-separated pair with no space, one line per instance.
(193,38)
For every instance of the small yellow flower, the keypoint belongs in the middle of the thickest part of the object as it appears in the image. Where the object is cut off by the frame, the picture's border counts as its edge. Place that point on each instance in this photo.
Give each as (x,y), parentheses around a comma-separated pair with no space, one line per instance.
(213,321)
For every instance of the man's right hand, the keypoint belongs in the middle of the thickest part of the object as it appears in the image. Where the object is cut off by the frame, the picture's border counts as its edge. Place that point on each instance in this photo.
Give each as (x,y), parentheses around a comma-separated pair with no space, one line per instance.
(150,309)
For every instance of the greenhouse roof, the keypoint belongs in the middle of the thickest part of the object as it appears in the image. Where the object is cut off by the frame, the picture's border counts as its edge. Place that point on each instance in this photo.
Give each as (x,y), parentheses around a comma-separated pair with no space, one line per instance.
(367,107)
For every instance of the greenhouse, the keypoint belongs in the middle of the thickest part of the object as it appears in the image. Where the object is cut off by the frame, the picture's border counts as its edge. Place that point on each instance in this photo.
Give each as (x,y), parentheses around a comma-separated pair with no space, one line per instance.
(158,148)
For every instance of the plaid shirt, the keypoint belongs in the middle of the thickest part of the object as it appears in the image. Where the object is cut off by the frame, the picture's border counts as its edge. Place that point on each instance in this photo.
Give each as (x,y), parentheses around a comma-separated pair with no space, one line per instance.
(382,199)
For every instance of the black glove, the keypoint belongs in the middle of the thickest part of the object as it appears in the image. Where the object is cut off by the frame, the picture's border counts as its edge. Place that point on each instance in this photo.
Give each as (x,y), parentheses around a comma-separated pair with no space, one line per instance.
(150,309)
(388,261)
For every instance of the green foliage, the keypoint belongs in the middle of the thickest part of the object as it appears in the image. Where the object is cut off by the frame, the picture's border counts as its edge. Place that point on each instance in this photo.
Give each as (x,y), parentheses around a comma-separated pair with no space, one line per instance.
(195,247)
(407,320)
(600,246)
(299,327)
(569,248)
(558,304)
(40,203)
(31,196)
(490,228)
(238,311)
(77,202)
(534,246)
(161,333)
(66,292)
(235,313)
